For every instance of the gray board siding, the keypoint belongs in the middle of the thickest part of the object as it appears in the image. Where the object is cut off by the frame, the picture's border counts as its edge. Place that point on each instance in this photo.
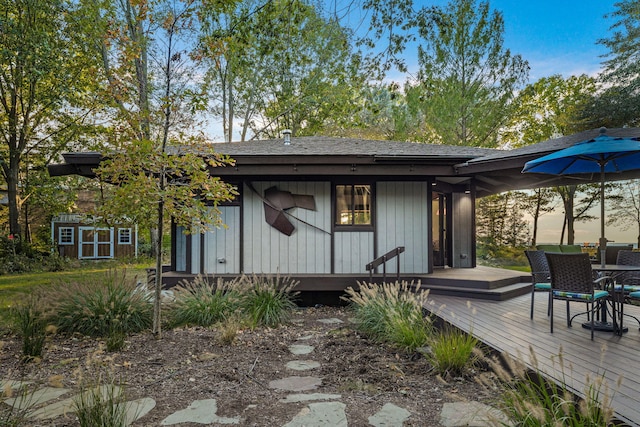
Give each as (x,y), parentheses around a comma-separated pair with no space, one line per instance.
(307,250)
(402,212)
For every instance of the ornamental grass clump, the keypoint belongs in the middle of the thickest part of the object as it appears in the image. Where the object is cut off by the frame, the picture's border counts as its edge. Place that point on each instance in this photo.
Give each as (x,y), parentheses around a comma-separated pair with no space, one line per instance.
(101,400)
(30,319)
(266,300)
(392,313)
(202,303)
(101,308)
(530,400)
(452,352)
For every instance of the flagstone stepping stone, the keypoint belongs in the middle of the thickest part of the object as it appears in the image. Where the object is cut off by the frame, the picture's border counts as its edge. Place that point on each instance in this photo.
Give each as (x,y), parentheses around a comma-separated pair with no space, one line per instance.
(296,383)
(320,414)
(473,414)
(68,405)
(390,415)
(42,395)
(305,338)
(302,365)
(295,398)
(13,385)
(201,412)
(136,409)
(330,321)
(299,349)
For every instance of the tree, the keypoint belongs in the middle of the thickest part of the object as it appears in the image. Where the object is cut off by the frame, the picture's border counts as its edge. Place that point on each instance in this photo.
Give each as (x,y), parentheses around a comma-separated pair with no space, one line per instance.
(279,65)
(467,79)
(619,102)
(576,210)
(625,206)
(45,74)
(537,203)
(548,108)
(159,167)
(500,222)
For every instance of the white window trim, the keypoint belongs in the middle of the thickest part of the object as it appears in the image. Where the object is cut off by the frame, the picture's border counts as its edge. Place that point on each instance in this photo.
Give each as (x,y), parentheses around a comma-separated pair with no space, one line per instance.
(129,241)
(73,236)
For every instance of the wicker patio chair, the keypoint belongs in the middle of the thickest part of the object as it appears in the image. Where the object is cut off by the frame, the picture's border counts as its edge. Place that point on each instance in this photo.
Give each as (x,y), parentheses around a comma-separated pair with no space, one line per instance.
(630,281)
(572,279)
(539,276)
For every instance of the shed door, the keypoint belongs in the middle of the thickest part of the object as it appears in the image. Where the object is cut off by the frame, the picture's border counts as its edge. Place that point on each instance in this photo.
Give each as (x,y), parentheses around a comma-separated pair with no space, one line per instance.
(96,243)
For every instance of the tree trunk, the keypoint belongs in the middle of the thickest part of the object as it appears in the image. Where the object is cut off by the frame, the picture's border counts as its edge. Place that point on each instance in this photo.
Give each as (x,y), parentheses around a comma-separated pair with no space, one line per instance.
(157,302)
(12,195)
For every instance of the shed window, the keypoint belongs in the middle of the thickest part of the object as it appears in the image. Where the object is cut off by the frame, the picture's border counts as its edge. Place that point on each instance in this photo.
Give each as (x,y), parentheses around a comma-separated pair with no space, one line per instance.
(65,236)
(353,205)
(124,236)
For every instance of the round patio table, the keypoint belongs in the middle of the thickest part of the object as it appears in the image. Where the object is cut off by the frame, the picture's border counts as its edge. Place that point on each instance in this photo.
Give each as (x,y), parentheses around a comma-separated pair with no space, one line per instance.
(616,298)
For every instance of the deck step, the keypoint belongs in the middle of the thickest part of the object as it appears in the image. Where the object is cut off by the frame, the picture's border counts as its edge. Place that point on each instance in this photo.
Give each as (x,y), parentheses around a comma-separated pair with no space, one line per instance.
(495,294)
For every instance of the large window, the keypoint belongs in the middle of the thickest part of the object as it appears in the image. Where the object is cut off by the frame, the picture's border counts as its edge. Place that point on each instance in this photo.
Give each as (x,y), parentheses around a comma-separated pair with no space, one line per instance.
(353,205)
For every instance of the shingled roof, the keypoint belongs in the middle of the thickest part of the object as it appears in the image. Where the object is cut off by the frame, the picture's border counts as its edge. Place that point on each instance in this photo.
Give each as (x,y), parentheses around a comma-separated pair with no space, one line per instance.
(493,170)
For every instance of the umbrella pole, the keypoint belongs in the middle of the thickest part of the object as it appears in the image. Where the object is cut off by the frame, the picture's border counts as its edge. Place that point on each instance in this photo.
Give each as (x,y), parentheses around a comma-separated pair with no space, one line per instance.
(603,240)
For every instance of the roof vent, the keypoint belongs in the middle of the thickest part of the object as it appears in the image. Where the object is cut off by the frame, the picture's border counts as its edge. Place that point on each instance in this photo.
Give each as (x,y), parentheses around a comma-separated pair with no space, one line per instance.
(287,136)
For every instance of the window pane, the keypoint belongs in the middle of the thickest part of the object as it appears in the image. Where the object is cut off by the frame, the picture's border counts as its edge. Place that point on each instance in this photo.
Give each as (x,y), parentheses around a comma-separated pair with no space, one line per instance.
(65,235)
(344,214)
(362,202)
(353,205)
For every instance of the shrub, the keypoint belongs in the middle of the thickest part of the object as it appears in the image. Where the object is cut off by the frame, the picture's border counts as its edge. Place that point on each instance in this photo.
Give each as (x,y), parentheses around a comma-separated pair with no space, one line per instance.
(32,324)
(451,351)
(267,301)
(202,303)
(391,313)
(99,309)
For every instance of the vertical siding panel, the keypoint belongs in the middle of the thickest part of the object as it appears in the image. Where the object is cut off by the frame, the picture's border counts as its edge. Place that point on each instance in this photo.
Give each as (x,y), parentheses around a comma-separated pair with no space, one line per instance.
(403,221)
(305,251)
(353,250)
(223,243)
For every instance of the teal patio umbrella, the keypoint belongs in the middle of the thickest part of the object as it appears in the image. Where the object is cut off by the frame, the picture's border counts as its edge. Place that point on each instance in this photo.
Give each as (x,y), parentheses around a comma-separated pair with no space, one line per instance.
(601,155)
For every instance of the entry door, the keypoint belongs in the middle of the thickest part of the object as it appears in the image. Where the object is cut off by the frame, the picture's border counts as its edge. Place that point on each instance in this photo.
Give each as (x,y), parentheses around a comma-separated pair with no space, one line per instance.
(96,243)
(439,230)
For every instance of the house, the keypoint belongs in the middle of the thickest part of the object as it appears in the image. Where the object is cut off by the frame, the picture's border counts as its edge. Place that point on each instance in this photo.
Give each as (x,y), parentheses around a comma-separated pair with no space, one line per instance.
(82,237)
(321,209)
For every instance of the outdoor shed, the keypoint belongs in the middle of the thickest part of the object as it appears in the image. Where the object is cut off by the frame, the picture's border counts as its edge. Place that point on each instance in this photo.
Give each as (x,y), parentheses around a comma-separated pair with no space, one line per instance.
(82,237)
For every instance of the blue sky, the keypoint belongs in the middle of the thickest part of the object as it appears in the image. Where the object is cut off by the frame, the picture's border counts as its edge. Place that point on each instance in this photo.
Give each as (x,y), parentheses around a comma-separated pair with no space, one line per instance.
(557,36)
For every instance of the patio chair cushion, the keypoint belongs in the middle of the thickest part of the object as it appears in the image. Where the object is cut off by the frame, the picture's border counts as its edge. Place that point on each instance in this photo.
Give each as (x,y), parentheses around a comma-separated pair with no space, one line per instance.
(580,296)
(546,286)
(560,248)
(635,295)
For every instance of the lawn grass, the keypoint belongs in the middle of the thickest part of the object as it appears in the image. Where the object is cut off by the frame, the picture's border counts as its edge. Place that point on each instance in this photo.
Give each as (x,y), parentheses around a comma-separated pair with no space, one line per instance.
(13,287)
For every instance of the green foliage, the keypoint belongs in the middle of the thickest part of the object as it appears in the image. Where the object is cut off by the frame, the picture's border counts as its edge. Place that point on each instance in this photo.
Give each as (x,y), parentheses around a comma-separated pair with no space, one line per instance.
(99,308)
(32,324)
(502,230)
(267,300)
(452,351)
(467,79)
(391,313)
(530,400)
(619,104)
(200,302)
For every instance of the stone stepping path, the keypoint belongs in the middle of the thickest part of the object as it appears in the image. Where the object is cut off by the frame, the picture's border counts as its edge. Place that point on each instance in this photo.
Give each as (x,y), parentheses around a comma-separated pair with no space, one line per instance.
(322,410)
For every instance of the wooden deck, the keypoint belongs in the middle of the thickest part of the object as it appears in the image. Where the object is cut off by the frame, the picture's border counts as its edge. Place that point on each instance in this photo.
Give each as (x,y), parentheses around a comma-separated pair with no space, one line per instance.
(506,326)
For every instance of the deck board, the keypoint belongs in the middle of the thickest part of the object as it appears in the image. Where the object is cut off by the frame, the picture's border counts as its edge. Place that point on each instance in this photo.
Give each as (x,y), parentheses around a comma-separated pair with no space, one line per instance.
(506,326)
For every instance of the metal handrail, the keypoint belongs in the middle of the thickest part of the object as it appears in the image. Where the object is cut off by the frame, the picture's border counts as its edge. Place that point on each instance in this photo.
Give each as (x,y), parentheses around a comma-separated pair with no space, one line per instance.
(383,261)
